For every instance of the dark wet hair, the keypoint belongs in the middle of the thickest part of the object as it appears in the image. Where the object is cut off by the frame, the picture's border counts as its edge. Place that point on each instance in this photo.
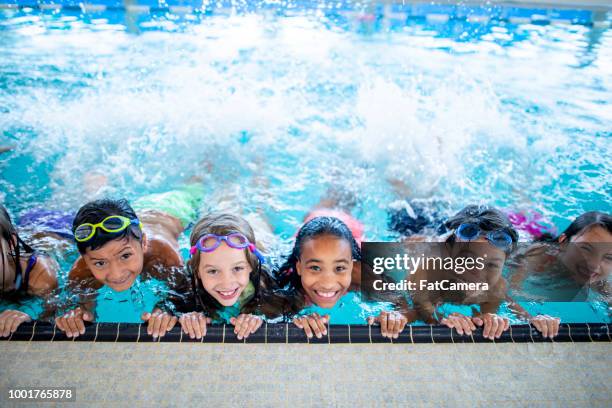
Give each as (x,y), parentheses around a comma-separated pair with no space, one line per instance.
(16,245)
(587,220)
(486,217)
(94,212)
(288,278)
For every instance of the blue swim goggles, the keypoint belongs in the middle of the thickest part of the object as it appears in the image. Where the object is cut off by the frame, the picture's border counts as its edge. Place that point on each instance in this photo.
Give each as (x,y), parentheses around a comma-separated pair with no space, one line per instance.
(470,232)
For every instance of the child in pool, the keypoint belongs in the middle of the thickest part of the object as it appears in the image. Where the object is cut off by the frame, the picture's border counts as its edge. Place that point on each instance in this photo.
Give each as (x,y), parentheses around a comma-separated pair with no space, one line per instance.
(119,248)
(581,255)
(322,268)
(476,231)
(229,279)
(25,273)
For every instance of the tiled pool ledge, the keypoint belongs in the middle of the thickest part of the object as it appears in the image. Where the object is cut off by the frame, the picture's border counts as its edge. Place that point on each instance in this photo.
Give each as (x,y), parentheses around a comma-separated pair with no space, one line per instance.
(288,333)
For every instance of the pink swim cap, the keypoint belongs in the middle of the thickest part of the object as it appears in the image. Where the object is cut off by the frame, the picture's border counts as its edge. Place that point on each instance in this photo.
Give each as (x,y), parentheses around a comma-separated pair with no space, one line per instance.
(352,223)
(531,222)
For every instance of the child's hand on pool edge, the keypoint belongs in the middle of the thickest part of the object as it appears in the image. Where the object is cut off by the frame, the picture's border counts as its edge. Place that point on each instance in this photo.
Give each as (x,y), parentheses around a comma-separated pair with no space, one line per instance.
(312,323)
(160,322)
(463,324)
(246,324)
(194,324)
(547,325)
(494,325)
(10,321)
(72,322)
(391,323)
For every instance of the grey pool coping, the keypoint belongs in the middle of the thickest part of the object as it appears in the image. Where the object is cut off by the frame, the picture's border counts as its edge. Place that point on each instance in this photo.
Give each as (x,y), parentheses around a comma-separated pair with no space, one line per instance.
(290,334)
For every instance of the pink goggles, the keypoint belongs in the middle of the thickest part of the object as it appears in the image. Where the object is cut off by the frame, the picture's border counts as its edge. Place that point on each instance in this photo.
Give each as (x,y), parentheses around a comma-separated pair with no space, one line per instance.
(210,242)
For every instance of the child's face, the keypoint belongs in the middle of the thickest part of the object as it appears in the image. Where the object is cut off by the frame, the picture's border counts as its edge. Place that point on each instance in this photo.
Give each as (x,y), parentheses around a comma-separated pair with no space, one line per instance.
(589,257)
(493,260)
(224,273)
(325,267)
(117,263)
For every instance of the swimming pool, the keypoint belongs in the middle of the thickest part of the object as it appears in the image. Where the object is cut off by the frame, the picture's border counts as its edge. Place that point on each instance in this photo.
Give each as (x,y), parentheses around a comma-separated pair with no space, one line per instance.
(451,100)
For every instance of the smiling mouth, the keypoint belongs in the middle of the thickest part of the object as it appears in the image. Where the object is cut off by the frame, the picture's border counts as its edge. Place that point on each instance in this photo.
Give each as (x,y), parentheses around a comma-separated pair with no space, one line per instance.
(227,294)
(326,294)
(119,282)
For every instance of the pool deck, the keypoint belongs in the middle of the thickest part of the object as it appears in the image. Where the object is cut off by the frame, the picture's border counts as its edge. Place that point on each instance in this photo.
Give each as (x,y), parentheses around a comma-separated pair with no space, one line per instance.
(302,375)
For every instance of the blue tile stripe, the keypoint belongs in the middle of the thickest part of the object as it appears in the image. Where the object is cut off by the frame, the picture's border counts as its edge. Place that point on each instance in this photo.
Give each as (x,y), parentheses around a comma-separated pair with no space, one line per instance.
(432,12)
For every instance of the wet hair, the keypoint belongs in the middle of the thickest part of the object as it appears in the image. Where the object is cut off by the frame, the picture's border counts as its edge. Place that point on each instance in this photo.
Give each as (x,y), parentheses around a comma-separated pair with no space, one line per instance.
(486,217)
(225,224)
(587,220)
(94,212)
(317,227)
(16,245)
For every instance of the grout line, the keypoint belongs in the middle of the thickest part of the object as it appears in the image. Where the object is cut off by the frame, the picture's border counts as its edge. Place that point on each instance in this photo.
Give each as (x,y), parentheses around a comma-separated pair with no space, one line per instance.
(589,332)
(33,330)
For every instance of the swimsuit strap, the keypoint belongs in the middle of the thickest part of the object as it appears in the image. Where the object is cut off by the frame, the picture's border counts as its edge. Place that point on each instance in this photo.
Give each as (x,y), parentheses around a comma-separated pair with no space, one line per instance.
(31,263)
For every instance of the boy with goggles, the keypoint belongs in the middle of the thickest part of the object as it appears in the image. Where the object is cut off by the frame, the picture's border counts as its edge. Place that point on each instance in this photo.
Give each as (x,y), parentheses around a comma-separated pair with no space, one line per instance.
(121,252)
(476,231)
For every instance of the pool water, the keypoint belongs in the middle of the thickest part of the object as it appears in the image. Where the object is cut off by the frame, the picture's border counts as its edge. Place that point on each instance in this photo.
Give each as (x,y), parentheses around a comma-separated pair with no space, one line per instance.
(286,105)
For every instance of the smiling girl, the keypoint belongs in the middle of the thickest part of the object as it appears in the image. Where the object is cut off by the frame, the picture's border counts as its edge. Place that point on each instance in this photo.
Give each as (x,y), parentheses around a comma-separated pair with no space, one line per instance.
(324,271)
(579,258)
(229,278)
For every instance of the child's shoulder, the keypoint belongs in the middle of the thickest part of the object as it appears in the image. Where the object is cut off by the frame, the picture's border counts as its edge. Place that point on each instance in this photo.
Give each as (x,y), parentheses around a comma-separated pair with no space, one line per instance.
(43,277)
